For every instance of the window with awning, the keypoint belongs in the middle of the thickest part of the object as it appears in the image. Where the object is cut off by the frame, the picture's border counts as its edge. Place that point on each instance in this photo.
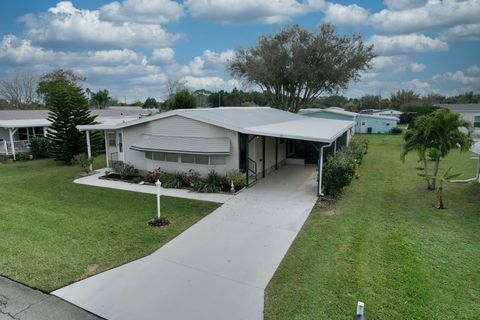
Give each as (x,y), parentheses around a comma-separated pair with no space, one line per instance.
(182,145)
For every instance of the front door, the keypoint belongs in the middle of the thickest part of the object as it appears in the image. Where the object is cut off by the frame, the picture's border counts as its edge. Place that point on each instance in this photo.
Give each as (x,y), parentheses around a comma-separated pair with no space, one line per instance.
(363,127)
(121,156)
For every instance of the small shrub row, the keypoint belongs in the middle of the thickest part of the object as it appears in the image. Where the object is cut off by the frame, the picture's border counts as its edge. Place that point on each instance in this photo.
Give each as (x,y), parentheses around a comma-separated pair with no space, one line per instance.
(212,182)
(396,130)
(339,169)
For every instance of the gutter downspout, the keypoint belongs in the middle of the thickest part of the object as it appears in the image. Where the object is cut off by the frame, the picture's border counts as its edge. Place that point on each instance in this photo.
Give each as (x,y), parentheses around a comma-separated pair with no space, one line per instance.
(320,168)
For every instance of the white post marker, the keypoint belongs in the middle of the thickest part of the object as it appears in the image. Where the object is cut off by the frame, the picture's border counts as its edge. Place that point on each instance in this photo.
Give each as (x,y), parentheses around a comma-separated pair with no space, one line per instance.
(360,307)
(158,184)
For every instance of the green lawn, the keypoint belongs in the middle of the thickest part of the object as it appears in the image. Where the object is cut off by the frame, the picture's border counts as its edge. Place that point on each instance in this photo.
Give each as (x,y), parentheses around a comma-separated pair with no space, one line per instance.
(54,232)
(386,245)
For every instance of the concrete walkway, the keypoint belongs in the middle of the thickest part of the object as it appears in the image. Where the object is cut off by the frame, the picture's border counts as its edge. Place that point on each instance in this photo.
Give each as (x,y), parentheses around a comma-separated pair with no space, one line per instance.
(218,268)
(93,180)
(20,302)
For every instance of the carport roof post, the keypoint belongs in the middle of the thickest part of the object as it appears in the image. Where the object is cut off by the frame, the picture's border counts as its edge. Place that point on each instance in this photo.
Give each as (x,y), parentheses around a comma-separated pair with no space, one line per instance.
(320,166)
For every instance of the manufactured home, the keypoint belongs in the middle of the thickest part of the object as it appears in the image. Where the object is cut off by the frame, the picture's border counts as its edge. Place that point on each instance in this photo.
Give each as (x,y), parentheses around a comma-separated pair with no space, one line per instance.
(17,127)
(364,123)
(256,140)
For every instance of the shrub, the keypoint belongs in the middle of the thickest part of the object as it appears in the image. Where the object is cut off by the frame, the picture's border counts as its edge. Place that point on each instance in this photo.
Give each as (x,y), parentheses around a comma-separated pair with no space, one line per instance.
(39,147)
(192,177)
(154,176)
(173,179)
(83,161)
(237,177)
(22,156)
(433,154)
(357,149)
(123,169)
(137,179)
(338,172)
(213,182)
(396,130)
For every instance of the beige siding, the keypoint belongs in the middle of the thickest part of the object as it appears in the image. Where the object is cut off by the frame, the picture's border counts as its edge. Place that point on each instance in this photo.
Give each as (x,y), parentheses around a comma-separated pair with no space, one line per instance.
(181,127)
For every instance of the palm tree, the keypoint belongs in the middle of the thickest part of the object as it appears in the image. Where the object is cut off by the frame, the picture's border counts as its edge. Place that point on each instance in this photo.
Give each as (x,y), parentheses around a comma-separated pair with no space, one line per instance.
(445,134)
(446,176)
(417,139)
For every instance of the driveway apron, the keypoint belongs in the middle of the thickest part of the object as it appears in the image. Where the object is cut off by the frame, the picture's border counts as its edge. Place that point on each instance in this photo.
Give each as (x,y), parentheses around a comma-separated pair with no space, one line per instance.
(216,269)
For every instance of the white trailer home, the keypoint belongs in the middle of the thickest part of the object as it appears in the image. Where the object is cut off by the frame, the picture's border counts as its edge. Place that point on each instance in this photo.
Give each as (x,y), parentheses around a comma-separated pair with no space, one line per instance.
(255,140)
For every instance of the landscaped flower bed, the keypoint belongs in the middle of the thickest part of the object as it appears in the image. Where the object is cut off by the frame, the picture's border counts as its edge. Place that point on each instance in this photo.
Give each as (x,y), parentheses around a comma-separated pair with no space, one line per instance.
(213,182)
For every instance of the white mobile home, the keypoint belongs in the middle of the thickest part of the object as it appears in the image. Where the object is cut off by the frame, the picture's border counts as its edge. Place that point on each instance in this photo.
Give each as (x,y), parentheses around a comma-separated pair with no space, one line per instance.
(256,140)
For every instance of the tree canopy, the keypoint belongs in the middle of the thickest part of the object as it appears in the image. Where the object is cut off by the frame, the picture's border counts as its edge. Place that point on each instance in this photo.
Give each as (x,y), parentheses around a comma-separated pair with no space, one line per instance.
(69,108)
(182,99)
(100,98)
(56,80)
(294,66)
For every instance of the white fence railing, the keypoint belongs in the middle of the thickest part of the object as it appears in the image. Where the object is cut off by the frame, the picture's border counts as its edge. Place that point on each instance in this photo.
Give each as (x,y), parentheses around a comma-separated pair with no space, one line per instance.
(20,146)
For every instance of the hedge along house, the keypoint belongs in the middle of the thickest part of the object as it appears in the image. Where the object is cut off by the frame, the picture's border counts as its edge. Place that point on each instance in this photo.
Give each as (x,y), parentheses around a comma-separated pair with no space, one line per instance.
(364,123)
(17,127)
(255,140)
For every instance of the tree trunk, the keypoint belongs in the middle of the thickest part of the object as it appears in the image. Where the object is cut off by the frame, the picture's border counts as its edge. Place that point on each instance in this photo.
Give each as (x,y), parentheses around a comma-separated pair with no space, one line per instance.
(425,170)
(439,204)
(435,173)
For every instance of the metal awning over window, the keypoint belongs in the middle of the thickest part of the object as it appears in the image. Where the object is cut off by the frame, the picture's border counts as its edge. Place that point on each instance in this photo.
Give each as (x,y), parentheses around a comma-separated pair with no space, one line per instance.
(186,145)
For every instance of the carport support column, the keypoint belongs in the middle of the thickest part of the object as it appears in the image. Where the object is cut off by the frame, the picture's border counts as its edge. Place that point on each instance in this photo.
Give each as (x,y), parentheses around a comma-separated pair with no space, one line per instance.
(12,144)
(320,168)
(106,150)
(247,151)
(276,153)
(263,157)
(89,151)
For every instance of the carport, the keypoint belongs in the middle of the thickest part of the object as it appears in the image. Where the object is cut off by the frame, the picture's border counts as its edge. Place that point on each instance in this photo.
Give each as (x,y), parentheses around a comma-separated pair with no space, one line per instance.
(317,137)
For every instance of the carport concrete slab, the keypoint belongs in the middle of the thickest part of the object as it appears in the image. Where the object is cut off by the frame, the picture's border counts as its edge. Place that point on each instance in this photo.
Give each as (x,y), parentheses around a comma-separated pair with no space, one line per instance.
(218,268)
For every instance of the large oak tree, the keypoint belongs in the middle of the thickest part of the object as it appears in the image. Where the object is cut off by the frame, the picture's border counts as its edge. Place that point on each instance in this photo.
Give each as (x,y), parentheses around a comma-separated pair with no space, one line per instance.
(295,66)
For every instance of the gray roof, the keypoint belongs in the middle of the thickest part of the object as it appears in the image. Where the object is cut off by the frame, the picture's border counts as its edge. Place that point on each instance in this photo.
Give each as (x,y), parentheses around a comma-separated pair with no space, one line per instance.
(195,145)
(346,113)
(252,120)
(43,114)
(462,107)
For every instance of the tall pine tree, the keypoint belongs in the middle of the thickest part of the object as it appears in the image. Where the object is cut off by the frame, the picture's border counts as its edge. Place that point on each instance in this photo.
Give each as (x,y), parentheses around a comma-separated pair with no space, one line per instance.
(68,109)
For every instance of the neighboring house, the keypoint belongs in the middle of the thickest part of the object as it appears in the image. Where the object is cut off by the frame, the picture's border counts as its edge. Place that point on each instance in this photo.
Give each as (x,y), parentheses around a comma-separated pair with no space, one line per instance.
(18,127)
(388,113)
(256,140)
(469,112)
(364,123)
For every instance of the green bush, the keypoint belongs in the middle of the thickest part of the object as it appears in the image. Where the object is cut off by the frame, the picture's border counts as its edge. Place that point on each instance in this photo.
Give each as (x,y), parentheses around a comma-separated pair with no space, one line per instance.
(213,182)
(433,154)
(338,172)
(123,169)
(237,177)
(192,177)
(357,148)
(39,147)
(83,161)
(175,180)
(396,130)
(22,156)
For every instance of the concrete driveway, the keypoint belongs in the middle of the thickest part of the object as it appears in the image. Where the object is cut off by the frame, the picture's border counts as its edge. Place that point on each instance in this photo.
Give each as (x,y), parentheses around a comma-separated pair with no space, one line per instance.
(218,268)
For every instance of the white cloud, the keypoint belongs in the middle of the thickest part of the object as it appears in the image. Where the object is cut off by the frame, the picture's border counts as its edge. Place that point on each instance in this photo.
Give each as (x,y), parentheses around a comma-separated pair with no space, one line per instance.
(19,51)
(210,83)
(457,76)
(394,64)
(142,11)
(163,55)
(406,43)
(462,32)
(473,70)
(70,27)
(341,15)
(435,15)
(209,63)
(419,86)
(404,4)
(250,11)
(417,67)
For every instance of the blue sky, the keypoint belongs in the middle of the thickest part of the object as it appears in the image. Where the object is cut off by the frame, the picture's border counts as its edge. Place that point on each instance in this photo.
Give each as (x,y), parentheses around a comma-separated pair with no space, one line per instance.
(135,47)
